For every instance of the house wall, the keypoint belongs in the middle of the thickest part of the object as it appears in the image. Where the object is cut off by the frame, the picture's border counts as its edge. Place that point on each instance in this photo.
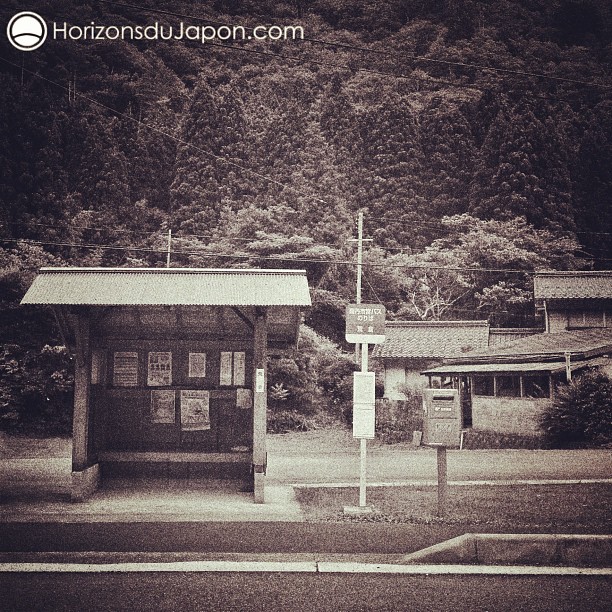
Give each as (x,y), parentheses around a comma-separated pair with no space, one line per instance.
(395,376)
(400,372)
(561,319)
(508,415)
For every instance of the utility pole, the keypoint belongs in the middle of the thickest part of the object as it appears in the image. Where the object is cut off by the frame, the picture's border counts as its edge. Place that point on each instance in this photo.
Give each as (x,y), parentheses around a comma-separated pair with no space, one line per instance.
(359,264)
(360,329)
(169,248)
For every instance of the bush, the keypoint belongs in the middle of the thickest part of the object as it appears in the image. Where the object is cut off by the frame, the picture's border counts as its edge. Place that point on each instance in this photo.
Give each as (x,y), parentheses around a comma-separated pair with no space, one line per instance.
(315,378)
(483,439)
(36,390)
(396,420)
(581,413)
(284,421)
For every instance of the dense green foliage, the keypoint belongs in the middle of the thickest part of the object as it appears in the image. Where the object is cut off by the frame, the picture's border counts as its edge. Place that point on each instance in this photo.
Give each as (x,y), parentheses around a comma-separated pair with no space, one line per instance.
(581,413)
(433,118)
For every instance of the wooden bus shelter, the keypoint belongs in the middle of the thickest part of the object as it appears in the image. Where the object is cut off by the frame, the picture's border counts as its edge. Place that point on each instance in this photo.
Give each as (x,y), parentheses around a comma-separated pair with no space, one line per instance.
(170,367)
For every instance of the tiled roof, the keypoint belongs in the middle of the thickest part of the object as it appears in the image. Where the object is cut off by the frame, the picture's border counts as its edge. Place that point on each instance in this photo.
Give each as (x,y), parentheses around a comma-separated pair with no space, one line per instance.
(503,335)
(580,343)
(169,286)
(554,367)
(572,285)
(431,339)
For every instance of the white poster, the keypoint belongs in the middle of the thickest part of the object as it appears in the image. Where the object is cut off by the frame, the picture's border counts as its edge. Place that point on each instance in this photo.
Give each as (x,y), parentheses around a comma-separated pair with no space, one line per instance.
(160,369)
(239,362)
(197,365)
(244,398)
(195,410)
(125,369)
(163,406)
(225,377)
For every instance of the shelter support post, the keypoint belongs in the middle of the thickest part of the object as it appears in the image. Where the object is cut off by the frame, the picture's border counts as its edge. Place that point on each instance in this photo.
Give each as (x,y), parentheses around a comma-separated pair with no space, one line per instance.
(85,476)
(260,403)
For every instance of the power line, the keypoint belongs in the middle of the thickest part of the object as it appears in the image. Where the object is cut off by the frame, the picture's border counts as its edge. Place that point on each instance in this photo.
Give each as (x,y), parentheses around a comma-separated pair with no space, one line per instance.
(172,136)
(276,259)
(414,57)
(441,226)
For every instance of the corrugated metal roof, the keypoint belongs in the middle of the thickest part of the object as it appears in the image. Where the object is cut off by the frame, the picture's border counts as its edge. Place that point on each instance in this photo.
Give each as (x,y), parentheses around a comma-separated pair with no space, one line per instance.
(573,285)
(483,368)
(431,339)
(169,286)
(575,342)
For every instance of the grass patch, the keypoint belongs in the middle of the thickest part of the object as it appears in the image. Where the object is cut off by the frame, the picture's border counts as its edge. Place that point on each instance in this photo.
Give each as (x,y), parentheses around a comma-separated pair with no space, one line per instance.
(566,508)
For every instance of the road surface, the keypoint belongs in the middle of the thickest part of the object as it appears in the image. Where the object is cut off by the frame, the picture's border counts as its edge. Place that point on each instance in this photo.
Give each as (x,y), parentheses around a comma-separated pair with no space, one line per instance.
(297,592)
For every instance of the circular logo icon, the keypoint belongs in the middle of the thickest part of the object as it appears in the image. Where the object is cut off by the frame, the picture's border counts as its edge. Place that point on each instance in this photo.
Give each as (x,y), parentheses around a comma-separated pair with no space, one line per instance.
(26,31)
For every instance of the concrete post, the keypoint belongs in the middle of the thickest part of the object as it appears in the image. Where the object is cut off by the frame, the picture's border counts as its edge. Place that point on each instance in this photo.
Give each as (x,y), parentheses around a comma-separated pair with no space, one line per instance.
(260,403)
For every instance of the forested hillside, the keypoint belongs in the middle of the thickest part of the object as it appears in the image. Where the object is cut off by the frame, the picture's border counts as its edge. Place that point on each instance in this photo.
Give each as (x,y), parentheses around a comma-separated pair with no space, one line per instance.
(475,136)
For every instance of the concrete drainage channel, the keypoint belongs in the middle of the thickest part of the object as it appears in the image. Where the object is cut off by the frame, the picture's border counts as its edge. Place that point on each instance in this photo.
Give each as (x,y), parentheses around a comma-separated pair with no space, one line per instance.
(566,550)
(472,553)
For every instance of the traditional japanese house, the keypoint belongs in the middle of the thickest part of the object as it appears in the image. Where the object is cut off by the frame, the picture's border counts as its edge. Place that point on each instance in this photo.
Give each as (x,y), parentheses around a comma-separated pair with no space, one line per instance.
(507,386)
(170,367)
(411,346)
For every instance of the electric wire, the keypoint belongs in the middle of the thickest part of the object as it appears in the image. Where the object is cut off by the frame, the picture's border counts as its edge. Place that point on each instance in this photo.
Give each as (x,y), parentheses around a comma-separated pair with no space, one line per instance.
(384,53)
(276,258)
(171,136)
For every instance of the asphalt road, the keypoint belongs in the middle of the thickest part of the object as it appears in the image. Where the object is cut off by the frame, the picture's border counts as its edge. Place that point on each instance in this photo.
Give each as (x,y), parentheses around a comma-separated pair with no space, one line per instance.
(221,537)
(289,592)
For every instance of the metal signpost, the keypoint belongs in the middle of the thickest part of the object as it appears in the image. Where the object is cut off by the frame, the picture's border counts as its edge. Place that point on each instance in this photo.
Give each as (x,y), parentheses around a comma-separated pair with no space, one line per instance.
(365,324)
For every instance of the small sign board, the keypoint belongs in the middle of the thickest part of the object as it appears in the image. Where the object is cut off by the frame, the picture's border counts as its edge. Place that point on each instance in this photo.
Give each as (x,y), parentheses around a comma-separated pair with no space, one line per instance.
(365,323)
(363,405)
(364,421)
(260,380)
(364,384)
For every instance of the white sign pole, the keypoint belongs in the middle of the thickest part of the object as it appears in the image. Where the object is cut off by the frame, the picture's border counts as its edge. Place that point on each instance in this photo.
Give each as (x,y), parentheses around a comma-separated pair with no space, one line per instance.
(363,442)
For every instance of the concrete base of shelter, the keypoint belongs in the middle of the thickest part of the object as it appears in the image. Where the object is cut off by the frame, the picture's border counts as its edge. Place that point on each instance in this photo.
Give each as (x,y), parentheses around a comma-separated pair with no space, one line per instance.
(85,483)
(196,470)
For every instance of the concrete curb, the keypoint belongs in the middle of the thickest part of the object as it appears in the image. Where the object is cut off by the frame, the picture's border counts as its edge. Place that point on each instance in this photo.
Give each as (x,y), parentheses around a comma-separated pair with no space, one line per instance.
(519,549)
(451,483)
(302,567)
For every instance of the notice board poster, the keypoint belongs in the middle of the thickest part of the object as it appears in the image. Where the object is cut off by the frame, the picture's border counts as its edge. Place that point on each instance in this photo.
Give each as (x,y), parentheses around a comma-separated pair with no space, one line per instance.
(125,369)
(195,410)
(197,365)
(163,407)
(225,377)
(159,373)
(239,364)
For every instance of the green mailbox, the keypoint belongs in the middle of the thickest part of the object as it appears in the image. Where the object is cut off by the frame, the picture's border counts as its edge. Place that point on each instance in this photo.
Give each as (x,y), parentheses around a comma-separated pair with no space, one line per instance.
(442,417)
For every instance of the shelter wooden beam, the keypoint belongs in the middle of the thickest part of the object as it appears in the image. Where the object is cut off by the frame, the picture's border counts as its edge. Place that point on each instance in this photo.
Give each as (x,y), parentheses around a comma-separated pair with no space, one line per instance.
(80,419)
(260,403)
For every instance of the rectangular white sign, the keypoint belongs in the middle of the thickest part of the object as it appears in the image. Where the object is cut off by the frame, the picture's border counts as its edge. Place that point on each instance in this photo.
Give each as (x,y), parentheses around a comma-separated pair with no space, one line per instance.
(364,421)
(364,384)
(260,380)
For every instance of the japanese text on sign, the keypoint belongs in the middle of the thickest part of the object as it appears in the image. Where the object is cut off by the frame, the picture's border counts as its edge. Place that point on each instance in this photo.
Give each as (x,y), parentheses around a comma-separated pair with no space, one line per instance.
(365,323)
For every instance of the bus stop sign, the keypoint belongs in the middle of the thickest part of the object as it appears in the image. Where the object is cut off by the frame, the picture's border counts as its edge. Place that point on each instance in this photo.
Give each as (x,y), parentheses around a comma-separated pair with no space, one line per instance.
(365,323)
